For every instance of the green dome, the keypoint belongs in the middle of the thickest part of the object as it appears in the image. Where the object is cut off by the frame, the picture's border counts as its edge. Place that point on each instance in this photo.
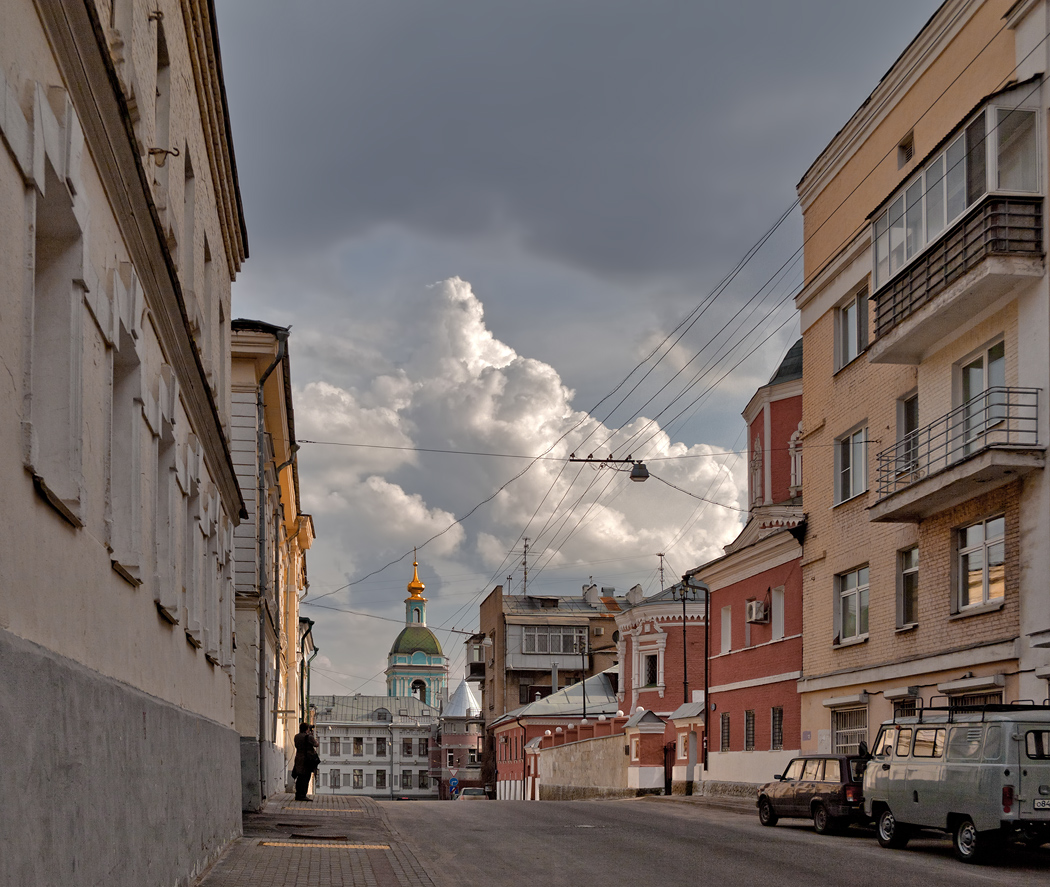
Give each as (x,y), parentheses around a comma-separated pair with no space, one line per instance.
(416,638)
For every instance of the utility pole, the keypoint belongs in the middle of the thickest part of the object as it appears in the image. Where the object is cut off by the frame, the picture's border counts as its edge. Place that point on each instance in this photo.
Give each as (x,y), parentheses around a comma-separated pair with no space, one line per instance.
(525,566)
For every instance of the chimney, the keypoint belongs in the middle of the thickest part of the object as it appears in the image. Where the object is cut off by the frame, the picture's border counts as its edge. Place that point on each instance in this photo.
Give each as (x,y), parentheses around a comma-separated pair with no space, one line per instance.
(590,594)
(635,595)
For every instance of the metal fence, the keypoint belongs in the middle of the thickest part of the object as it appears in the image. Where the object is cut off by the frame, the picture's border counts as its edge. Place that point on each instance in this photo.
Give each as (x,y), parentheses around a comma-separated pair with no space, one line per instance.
(997,417)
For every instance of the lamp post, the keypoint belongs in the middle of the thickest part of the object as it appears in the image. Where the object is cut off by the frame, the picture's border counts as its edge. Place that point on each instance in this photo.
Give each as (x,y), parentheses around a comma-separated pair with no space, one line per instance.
(685,592)
(690,581)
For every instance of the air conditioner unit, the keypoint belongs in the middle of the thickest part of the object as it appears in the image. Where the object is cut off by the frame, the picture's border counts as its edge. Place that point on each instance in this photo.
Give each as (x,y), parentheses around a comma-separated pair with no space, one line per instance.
(599,631)
(757,612)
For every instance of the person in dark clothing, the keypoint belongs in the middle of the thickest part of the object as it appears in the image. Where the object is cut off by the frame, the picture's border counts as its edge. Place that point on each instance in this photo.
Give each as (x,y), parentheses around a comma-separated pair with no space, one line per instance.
(306,760)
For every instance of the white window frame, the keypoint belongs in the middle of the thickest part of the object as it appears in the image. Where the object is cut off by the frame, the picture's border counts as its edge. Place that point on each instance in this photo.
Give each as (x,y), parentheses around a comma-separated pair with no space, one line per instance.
(851,479)
(726,631)
(851,329)
(985,547)
(932,182)
(907,577)
(858,589)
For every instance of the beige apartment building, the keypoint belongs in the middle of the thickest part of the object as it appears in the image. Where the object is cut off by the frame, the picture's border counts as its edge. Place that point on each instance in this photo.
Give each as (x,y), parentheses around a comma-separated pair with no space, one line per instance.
(270,548)
(120,232)
(926,327)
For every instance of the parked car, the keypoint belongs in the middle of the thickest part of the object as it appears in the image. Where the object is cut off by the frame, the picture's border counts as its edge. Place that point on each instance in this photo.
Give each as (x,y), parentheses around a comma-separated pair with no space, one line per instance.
(472,794)
(826,788)
(981,774)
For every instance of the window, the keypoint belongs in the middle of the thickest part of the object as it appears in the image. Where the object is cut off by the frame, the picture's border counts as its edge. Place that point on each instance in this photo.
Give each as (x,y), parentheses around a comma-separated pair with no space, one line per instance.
(982,563)
(777,724)
(981,385)
(848,726)
(777,622)
(406,748)
(554,639)
(907,434)
(749,731)
(472,756)
(903,742)
(908,587)
(851,468)
(423,747)
(380,778)
(381,747)
(333,745)
(359,746)
(368,780)
(929,742)
(727,629)
(832,770)
(724,746)
(424,779)
(650,670)
(406,779)
(795,455)
(450,759)
(334,779)
(851,329)
(359,778)
(683,746)
(1037,745)
(852,593)
(756,471)
(904,708)
(634,748)
(813,770)
(954,180)
(971,700)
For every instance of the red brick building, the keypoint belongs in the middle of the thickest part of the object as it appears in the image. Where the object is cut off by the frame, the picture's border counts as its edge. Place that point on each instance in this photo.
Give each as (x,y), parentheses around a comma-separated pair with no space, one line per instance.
(755,633)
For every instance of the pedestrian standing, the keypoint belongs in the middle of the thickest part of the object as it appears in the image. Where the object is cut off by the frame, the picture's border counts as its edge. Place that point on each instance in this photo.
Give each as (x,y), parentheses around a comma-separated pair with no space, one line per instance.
(306,760)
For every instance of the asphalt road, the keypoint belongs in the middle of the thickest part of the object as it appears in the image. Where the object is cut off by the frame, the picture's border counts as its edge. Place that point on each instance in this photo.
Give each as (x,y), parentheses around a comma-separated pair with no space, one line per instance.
(661,842)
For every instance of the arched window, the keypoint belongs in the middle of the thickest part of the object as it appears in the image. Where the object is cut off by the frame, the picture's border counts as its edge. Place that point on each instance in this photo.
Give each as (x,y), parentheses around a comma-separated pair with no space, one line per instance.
(756,471)
(419,690)
(416,616)
(795,451)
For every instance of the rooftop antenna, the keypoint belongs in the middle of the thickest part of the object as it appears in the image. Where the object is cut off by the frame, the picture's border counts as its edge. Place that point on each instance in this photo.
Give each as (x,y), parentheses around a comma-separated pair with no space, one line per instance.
(661,556)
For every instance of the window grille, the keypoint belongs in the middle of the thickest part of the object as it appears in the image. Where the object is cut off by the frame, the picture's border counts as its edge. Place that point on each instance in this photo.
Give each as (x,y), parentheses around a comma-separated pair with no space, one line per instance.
(849,726)
(724,746)
(749,731)
(777,742)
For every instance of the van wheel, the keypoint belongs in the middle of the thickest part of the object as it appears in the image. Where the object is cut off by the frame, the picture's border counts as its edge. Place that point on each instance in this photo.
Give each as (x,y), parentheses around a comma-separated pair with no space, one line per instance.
(970,845)
(822,823)
(890,832)
(766,814)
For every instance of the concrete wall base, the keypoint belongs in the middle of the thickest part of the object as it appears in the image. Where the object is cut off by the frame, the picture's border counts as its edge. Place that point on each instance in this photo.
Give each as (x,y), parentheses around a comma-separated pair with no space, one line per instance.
(106,784)
(711,789)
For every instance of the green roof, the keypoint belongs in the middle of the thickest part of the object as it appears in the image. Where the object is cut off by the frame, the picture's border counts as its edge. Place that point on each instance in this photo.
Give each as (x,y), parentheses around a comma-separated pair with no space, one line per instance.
(416,638)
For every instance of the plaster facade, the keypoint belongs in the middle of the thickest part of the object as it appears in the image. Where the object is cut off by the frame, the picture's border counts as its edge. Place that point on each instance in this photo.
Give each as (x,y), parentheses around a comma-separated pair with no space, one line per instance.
(120,232)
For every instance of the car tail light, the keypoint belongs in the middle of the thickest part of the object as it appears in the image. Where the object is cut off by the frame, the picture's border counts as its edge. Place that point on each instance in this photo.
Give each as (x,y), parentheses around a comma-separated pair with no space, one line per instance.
(1008,798)
(853,793)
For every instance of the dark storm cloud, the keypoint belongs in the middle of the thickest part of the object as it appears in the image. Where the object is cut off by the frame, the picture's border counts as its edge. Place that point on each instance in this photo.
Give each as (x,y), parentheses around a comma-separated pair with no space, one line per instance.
(638,138)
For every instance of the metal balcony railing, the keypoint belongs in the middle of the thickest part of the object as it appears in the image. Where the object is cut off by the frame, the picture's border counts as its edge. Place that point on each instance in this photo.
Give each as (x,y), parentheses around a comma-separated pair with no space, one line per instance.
(995,418)
(998,226)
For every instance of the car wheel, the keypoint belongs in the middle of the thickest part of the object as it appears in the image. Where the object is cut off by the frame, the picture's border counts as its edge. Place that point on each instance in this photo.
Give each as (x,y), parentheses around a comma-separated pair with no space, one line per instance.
(766,814)
(890,832)
(823,824)
(970,845)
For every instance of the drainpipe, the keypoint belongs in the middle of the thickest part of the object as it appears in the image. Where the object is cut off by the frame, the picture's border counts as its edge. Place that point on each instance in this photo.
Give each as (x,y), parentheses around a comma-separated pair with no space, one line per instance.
(518,720)
(260,519)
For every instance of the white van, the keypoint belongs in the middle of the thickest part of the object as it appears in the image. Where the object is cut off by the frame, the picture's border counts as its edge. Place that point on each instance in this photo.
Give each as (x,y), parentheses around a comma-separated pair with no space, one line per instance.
(982,774)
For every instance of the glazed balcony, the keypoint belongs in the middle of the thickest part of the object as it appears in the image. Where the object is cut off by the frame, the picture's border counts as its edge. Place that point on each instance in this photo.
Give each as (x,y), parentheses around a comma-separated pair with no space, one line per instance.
(996,244)
(988,442)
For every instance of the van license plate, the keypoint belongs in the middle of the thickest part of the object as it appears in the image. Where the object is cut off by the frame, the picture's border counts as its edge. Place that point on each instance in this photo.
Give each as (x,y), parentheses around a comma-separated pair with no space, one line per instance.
(1041,803)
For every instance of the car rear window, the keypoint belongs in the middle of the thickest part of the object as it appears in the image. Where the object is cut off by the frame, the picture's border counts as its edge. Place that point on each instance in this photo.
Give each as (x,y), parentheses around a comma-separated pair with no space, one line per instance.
(1037,745)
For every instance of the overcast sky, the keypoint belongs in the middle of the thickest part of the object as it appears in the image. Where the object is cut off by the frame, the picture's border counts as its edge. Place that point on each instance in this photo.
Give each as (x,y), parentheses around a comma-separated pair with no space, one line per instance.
(479,216)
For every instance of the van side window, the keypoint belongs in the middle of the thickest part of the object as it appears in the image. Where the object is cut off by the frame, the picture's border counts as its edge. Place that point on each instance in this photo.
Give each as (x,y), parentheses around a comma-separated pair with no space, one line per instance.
(993,744)
(884,744)
(903,742)
(794,770)
(833,770)
(965,744)
(929,742)
(813,770)
(1037,744)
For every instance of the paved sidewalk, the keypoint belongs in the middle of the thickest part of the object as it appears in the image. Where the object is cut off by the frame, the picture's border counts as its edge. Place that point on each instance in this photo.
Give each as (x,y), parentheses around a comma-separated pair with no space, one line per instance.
(333,841)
